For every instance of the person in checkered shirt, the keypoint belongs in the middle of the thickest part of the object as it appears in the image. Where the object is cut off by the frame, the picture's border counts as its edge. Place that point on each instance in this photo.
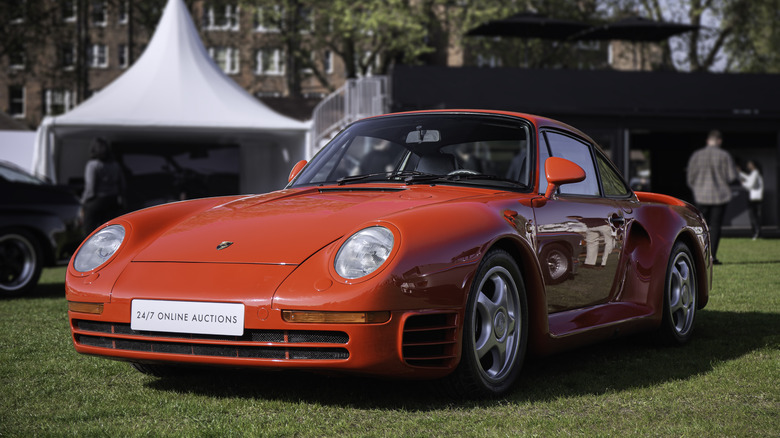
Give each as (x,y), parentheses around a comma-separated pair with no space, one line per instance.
(710,172)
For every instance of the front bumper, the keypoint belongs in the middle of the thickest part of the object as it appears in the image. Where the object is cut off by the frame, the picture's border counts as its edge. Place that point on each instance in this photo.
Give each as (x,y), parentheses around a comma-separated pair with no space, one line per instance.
(412,344)
(420,340)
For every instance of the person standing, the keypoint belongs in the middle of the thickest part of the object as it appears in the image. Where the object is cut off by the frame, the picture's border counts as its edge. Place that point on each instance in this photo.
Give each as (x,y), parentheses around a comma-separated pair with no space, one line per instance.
(754,183)
(710,171)
(103,186)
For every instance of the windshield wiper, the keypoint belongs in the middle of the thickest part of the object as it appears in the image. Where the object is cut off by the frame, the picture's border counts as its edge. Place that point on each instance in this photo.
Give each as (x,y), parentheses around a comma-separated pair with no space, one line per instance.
(386,176)
(470,176)
(422,177)
(353,178)
(461,176)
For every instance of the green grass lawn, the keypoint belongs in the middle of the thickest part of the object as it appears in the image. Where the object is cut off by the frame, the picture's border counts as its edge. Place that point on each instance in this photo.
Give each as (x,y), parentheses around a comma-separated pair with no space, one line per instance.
(726,382)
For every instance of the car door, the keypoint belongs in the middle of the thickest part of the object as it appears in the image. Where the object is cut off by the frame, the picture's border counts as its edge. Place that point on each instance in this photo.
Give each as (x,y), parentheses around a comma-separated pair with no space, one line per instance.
(580,231)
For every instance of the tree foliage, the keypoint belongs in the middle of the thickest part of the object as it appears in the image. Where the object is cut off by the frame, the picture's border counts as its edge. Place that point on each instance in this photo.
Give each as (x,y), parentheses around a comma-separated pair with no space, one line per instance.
(734,35)
(369,37)
(755,44)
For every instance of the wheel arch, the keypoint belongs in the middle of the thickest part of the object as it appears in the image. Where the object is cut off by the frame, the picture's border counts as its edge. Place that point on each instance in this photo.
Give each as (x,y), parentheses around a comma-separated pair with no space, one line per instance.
(533,280)
(651,238)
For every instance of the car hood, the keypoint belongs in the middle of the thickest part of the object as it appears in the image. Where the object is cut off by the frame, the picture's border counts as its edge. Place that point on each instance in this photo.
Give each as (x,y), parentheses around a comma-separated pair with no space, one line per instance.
(285,227)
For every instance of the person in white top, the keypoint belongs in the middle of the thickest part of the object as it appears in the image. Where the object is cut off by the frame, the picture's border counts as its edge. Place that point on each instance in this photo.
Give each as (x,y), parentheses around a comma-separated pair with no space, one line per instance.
(752,181)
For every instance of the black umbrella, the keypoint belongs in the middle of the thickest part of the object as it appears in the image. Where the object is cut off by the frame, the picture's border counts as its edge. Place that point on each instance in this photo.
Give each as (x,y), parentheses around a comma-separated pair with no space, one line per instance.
(634,29)
(529,25)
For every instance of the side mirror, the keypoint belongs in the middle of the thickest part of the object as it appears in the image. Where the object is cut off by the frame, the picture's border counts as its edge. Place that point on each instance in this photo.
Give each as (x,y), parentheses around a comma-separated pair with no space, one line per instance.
(296,169)
(561,171)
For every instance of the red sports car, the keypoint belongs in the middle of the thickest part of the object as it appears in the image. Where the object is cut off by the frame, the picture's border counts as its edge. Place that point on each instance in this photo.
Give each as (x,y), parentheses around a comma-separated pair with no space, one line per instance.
(437,245)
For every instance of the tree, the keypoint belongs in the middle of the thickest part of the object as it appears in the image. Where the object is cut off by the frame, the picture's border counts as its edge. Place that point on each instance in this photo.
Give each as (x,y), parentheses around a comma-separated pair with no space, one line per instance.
(368,36)
(734,35)
(755,45)
(24,25)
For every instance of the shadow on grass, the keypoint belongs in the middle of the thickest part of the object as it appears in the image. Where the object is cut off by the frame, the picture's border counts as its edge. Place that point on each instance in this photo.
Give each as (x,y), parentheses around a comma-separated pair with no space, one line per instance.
(43,290)
(619,365)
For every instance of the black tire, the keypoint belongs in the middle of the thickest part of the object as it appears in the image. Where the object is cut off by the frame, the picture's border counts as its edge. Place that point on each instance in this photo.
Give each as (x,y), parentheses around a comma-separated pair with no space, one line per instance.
(680,297)
(556,263)
(495,331)
(21,261)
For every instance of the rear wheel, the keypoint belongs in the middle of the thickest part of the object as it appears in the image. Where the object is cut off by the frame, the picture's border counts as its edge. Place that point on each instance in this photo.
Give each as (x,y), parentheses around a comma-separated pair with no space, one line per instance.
(20,262)
(680,296)
(495,330)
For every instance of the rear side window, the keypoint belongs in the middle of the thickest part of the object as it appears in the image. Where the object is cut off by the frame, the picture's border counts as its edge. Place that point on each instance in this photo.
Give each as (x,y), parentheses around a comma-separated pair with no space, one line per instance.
(577,151)
(611,182)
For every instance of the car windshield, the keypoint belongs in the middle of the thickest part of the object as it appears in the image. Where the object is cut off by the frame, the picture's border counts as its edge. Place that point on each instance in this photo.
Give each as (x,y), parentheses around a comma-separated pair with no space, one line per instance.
(474,149)
(14,174)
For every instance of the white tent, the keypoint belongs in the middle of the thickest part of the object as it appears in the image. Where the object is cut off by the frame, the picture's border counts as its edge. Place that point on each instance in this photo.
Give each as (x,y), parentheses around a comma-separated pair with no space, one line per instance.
(174,94)
(15,147)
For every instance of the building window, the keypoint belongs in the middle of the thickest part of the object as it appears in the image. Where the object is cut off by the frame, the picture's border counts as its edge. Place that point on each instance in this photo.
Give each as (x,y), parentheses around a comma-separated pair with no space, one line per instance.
(306,20)
(67,56)
(267,18)
(57,101)
(16,100)
(122,55)
(269,62)
(327,62)
(69,11)
(123,12)
(221,17)
(307,69)
(97,56)
(18,10)
(491,61)
(99,13)
(17,58)
(227,58)
(262,94)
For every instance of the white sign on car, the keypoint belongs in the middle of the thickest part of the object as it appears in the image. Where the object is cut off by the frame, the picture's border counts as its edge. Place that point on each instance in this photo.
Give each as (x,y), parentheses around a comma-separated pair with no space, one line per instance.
(188,317)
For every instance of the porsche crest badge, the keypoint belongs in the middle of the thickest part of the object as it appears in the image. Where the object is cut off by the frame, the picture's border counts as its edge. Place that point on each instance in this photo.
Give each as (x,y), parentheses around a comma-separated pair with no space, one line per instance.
(224,245)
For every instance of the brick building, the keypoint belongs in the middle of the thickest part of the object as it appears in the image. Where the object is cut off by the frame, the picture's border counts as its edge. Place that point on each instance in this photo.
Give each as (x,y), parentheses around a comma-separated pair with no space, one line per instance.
(82,51)
(45,78)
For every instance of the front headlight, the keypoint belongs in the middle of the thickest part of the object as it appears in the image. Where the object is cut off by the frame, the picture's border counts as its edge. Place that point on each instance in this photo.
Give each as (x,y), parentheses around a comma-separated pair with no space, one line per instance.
(364,252)
(99,248)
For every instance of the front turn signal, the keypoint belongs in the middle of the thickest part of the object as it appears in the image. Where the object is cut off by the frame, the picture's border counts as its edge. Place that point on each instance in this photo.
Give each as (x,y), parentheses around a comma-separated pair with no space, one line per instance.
(94,308)
(305,316)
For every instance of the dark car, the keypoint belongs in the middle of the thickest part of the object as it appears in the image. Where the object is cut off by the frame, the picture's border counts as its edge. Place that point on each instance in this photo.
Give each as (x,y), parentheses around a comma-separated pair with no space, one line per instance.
(39,226)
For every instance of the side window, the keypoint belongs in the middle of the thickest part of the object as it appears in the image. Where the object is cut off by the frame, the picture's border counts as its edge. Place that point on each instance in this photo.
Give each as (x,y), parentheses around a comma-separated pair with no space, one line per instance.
(574,150)
(611,182)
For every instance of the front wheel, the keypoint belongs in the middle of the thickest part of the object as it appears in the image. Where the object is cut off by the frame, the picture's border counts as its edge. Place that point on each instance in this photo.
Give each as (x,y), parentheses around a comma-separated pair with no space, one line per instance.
(20,262)
(680,296)
(495,330)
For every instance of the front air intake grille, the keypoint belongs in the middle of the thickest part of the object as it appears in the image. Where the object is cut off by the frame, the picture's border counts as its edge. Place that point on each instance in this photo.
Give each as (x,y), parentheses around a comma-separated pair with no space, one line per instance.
(258,344)
(429,340)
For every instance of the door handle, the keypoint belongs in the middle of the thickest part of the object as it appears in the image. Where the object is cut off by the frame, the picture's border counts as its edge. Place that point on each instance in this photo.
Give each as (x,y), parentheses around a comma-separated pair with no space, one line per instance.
(617,221)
